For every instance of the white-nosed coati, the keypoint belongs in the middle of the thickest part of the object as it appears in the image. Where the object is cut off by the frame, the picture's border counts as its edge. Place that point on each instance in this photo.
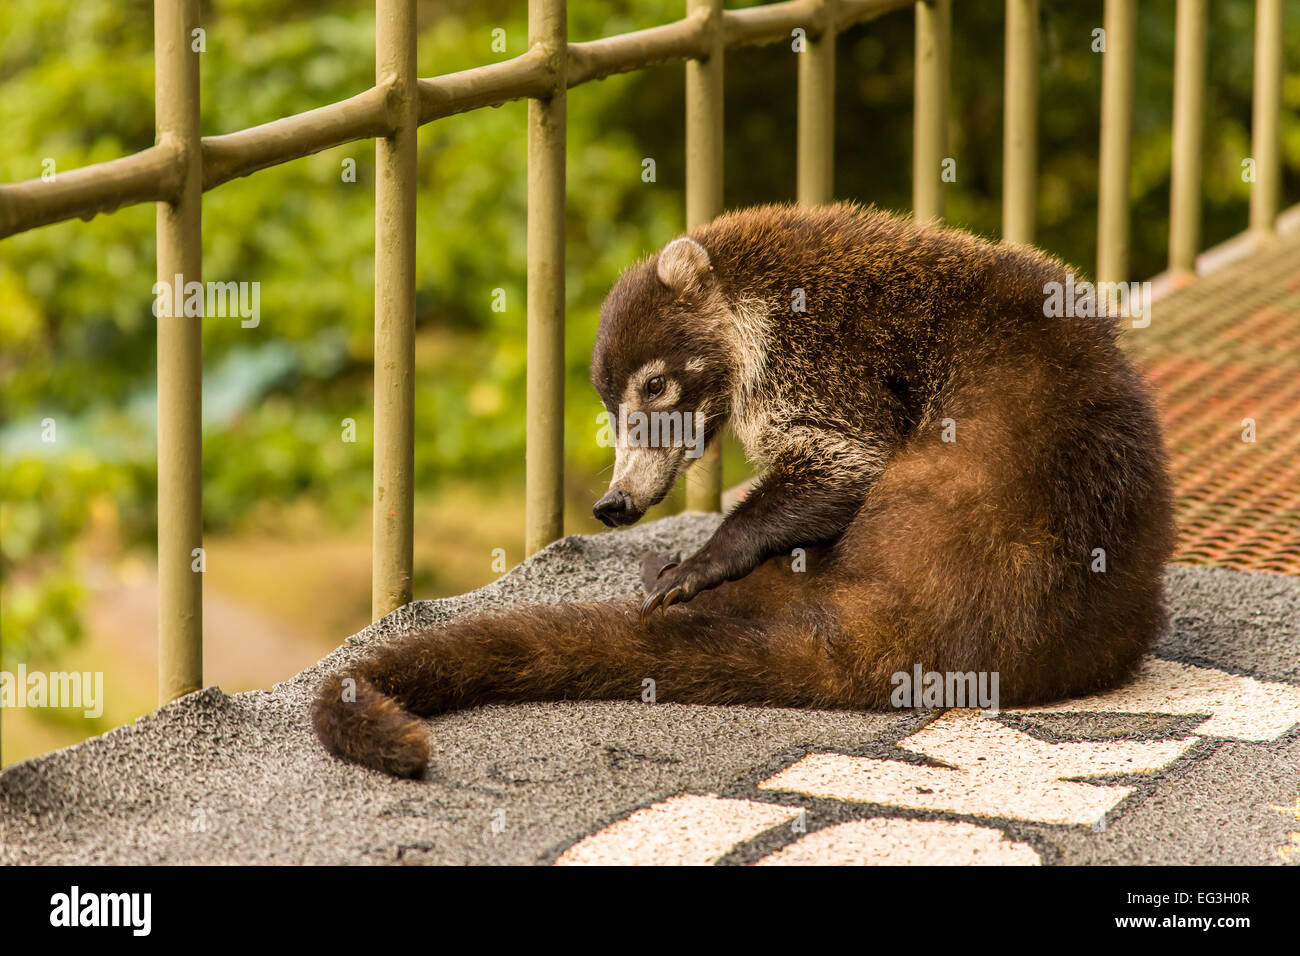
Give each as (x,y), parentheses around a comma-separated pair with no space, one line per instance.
(950,458)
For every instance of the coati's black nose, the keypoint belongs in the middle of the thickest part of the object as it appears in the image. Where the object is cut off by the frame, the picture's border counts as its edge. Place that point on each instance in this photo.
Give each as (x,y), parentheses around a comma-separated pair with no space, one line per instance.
(616,508)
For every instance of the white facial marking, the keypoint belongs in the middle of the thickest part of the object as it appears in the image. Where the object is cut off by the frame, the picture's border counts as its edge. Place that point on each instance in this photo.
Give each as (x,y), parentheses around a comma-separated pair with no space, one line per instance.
(644,471)
(634,391)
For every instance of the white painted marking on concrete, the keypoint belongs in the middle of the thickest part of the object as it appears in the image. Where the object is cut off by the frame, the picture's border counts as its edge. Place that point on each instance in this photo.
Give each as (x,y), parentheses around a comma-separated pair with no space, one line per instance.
(686,830)
(990,770)
(891,842)
(993,771)
(1241,708)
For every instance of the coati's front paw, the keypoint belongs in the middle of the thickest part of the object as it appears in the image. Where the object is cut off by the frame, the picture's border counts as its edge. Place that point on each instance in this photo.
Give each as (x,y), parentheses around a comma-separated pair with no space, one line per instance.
(676,583)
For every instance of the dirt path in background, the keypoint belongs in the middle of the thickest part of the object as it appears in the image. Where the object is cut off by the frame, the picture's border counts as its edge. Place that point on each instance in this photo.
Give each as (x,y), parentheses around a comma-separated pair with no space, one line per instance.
(245,647)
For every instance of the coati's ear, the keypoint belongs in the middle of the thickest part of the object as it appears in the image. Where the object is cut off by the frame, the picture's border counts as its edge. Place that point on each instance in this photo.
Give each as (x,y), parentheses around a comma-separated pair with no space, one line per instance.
(683,265)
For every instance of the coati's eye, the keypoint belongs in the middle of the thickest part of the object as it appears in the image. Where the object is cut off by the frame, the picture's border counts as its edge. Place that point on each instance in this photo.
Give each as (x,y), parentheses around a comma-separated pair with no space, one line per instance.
(655,386)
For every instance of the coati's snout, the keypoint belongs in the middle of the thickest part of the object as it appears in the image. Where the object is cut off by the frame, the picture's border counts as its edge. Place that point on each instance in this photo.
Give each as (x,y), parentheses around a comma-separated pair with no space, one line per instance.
(663,375)
(616,508)
(644,474)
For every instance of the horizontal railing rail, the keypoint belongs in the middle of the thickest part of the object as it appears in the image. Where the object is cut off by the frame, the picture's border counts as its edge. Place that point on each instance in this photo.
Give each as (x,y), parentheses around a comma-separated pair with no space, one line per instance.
(154,174)
(182,165)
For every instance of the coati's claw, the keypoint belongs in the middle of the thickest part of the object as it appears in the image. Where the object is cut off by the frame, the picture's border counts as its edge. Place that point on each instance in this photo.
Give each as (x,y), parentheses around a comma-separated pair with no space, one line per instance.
(675,584)
(649,604)
(661,600)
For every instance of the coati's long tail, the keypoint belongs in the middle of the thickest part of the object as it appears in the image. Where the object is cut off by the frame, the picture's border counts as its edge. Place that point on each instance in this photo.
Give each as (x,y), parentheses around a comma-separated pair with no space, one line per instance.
(370,713)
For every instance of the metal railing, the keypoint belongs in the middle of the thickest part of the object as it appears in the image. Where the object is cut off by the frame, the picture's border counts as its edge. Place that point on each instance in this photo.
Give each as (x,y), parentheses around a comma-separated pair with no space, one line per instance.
(182,165)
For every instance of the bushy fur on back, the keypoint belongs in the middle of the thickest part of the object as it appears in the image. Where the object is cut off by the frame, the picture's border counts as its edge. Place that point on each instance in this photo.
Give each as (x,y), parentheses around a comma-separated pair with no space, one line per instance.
(969,554)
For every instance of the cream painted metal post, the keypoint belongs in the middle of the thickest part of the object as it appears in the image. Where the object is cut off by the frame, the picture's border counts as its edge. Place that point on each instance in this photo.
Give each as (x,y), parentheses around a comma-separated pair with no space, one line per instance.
(1188,133)
(704,85)
(1116,140)
(544,466)
(1020,123)
(930,122)
(395,172)
(1266,117)
(816,120)
(180,366)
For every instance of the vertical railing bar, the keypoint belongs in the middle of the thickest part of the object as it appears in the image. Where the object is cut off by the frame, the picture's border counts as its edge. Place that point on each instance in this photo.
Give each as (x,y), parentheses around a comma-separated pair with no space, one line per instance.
(1188,134)
(180,352)
(1266,116)
(395,183)
(1120,23)
(930,122)
(704,185)
(1020,129)
(816,120)
(544,464)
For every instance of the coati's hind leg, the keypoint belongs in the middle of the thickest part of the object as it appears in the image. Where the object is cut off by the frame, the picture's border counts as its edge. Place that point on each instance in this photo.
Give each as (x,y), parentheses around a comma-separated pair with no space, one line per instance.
(977,554)
(370,710)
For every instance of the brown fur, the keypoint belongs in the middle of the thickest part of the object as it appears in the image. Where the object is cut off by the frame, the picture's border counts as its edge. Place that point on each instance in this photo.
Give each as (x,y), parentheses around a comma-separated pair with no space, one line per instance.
(971,555)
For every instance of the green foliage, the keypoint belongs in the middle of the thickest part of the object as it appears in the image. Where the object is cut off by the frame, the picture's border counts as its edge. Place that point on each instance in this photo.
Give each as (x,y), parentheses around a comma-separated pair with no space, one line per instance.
(48,506)
(76,328)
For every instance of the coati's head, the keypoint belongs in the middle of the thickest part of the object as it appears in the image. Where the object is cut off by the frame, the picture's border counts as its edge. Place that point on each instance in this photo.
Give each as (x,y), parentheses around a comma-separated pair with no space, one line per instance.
(662,366)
